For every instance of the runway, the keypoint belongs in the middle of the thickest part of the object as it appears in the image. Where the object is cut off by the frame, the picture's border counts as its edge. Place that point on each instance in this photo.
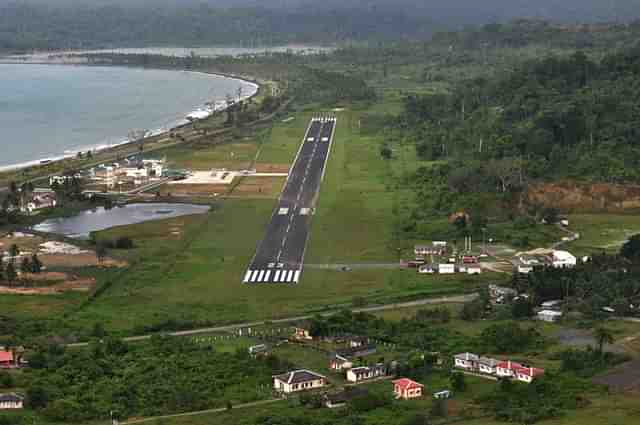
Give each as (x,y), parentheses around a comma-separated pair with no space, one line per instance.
(280,255)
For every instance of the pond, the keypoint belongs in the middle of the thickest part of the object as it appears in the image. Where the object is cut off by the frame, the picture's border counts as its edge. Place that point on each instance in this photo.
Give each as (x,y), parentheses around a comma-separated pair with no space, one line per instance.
(81,225)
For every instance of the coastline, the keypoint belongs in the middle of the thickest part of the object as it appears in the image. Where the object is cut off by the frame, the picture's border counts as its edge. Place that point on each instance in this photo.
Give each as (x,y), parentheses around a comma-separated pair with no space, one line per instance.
(105,147)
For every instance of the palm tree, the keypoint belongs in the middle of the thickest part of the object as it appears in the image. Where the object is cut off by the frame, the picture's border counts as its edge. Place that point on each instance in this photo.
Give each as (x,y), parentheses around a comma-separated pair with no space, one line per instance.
(603,336)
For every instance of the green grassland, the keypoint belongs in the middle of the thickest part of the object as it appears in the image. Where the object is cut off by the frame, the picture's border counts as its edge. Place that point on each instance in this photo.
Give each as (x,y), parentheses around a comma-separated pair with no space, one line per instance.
(196,278)
(602,232)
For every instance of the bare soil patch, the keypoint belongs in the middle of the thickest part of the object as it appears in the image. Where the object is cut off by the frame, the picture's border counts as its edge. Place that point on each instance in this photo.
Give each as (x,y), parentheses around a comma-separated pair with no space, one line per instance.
(572,196)
(194,189)
(626,377)
(80,260)
(266,167)
(71,283)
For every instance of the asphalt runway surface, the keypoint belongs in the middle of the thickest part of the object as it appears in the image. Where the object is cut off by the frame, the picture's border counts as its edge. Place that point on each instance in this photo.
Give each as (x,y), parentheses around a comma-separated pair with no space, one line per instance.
(280,255)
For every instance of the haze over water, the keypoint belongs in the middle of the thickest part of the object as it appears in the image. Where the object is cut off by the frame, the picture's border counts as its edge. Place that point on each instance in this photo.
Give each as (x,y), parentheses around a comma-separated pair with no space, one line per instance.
(49,110)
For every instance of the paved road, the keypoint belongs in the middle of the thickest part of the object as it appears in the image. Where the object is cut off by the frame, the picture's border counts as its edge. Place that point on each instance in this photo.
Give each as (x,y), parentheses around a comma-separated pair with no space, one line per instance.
(280,255)
(371,309)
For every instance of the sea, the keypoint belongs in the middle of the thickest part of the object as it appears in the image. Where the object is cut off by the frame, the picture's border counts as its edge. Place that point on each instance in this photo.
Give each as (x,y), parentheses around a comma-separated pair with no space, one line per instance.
(48,112)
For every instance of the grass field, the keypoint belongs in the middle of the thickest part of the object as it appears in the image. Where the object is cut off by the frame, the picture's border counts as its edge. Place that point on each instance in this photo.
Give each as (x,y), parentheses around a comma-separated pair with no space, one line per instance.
(602,232)
(192,271)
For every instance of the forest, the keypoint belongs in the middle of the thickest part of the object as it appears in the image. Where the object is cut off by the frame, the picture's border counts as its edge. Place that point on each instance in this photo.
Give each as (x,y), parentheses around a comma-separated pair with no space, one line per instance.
(165,375)
(558,117)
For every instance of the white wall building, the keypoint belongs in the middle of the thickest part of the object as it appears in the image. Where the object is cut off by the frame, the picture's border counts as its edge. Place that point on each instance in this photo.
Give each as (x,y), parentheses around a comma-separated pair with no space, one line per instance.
(298,380)
(563,259)
(549,315)
(466,360)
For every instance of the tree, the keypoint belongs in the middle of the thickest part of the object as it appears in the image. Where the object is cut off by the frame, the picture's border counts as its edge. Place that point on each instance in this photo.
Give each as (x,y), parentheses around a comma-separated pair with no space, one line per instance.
(6,380)
(631,249)
(98,330)
(26,266)
(10,272)
(37,397)
(386,152)
(457,381)
(603,336)
(14,250)
(36,264)
(101,251)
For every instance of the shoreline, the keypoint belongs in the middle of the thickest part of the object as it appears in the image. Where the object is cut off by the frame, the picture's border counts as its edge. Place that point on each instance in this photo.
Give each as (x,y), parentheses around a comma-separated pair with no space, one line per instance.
(104,147)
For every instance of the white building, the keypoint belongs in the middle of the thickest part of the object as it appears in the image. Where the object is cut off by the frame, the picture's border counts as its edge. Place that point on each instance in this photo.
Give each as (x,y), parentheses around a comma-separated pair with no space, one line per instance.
(466,361)
(358,374)
(549,315)
(487,365)
(563,259)
(446,268)
(298,380)
(11,401)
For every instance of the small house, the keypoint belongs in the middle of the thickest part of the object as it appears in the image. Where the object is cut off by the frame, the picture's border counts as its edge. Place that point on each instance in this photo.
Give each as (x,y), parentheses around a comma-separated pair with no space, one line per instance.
(343,397)
(303,331)
(426,269)
(440,395)
(468,361)
(258,350)
(7,359)
(358,374)
(339,362)
(358,341)
(407,389)
(528,374)
(487,365)
(298,380)
(423,250)
(549,315)
(354,352)
(446,268)
(507,369)
(563,259)
(11,401)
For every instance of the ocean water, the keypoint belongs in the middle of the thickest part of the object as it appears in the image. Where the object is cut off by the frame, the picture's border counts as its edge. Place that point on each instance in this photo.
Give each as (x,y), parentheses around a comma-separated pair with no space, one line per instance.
(48,111)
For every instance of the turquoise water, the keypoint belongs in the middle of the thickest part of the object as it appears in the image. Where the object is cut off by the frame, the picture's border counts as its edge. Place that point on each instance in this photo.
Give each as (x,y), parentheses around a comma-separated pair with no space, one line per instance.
(47,111)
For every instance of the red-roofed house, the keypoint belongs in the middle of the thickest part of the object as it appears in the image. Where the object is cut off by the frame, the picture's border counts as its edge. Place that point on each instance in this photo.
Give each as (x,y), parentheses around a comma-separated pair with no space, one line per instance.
(407,389)
(6,359)
(528,374)
(507,369)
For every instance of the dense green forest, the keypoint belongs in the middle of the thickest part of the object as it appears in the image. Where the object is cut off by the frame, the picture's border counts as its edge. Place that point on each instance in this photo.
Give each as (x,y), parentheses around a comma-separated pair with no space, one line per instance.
(23,26)
(62,24)
(165,375)
(552,118)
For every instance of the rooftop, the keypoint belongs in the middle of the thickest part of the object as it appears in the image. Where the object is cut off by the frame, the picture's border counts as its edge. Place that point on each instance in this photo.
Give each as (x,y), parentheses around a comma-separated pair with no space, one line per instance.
(467,356)
(406,383)
(298,376)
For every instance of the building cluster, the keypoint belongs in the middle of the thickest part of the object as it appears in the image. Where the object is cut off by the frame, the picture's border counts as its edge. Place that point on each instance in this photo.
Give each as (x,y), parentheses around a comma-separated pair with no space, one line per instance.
(497,368)
(39,200)
(130,171)
(526,262)
(307,380)
(435,258)
(344,360)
